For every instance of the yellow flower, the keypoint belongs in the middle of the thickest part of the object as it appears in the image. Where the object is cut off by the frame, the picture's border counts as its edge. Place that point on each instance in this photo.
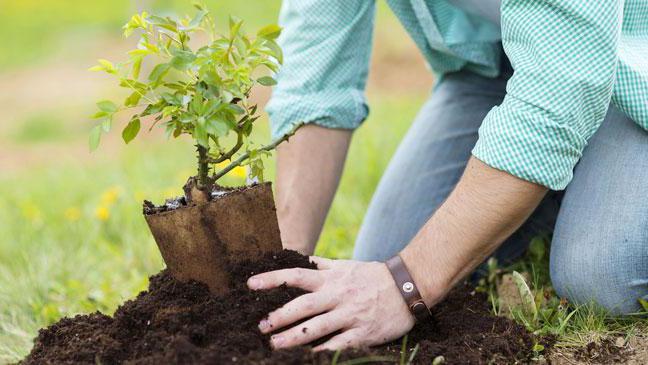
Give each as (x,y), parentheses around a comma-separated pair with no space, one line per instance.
(102,213)
(72,214)
(239,171)
(110,196)
(31,212)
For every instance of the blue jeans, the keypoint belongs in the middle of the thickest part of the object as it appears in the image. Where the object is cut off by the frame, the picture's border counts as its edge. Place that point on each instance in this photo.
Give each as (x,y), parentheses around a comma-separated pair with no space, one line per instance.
(599,250)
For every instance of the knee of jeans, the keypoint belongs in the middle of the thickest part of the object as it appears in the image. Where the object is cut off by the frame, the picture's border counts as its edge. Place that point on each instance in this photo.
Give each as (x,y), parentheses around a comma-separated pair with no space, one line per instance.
(605,276)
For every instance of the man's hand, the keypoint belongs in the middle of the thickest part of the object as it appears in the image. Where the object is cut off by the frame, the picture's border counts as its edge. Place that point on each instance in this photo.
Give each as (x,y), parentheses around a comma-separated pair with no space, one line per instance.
(358,299)
(361,299)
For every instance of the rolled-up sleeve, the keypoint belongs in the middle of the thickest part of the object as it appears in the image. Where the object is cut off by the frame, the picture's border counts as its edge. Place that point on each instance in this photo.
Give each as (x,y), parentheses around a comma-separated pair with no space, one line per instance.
(564,53)
(327,46)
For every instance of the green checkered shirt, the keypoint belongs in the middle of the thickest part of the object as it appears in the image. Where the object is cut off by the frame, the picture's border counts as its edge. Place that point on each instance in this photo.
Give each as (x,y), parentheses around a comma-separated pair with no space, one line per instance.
(571,59)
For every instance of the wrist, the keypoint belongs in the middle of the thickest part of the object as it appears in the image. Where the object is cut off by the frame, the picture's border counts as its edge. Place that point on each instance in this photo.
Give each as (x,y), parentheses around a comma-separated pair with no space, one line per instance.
(407,288)
(297,233)
(299,246)
(429,278)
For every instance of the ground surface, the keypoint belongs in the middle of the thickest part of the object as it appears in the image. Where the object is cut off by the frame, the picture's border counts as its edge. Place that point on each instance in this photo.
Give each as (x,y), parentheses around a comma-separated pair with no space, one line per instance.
(73,239)
(177,322)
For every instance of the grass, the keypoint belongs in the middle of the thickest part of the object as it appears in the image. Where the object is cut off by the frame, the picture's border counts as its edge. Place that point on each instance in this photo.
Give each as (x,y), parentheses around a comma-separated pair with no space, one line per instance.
(41,127)
(36,29)
(547,316)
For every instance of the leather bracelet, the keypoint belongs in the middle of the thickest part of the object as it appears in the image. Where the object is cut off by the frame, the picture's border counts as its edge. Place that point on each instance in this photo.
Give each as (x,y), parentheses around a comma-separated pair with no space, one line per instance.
(408,288)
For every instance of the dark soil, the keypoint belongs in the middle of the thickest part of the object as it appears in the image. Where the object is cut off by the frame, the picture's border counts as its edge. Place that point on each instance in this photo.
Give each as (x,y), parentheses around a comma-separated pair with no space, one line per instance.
(603,352)
(175,322)
(217,191)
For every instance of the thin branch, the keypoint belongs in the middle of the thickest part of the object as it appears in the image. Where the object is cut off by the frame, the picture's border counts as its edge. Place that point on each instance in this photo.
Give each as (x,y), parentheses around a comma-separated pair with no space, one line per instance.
(246,155)
(137,91)
(155,122)
(173,39)
(230,153)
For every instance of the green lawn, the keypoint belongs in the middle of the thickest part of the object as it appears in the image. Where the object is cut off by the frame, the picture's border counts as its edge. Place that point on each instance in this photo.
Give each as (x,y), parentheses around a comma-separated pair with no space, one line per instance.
(37,29)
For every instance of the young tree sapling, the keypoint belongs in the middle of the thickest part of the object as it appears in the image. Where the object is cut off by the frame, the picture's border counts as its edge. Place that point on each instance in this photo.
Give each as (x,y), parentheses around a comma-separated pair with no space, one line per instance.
(202,92)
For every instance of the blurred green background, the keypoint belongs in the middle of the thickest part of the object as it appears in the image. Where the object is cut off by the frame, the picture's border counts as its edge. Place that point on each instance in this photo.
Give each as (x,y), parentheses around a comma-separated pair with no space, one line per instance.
(72,238)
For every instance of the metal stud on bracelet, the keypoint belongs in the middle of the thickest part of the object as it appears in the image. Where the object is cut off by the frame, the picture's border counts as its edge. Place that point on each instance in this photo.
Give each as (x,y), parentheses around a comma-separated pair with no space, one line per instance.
(408,288)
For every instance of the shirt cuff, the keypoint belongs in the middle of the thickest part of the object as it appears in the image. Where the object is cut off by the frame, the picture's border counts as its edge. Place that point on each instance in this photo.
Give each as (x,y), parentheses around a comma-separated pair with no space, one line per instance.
(530,143)
(343,109)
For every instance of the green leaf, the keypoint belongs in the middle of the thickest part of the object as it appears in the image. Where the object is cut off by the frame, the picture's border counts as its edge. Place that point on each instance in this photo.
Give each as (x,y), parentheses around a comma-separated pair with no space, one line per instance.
(107,106)
(106,125)
(104,65)
(131,130)
(137,66)
(644,304)
(201,136)
(214,105)
(271,65)
(108,66)
(236,109)
(197,20)
(528,301)
(133,84)
(186,118)
(169,111)
(152,109)
(196,105)
(99,115)
(270,32)
(255,168)
(275,50)
(165,23)
(217,127)
(139,52)
(267,81)
(182,60)
(159,72)
(136,21)
(175,86)
(241,46)
(234,26)
(95,138)
(171,99)
(133,99)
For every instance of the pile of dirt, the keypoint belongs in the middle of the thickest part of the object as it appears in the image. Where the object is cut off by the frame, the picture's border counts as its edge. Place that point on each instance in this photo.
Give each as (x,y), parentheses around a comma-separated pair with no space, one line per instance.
(175,322)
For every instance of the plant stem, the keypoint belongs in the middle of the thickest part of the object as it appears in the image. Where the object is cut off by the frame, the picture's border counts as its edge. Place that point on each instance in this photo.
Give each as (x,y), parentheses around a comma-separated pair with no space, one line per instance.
(203,167)
(230,153)
(246,155)
(139,92)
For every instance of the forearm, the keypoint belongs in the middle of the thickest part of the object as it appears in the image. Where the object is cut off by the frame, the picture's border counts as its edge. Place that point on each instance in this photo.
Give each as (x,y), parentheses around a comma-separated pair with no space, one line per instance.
(309,167)
(485,208)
